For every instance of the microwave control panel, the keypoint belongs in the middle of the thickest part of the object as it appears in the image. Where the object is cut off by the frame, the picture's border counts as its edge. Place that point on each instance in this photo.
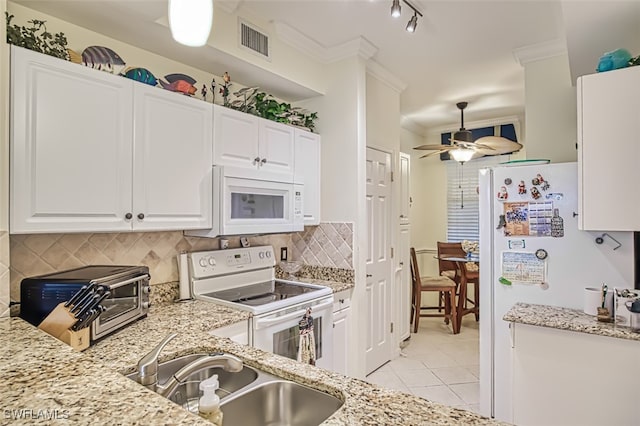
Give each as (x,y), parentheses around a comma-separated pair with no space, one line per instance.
(220,262)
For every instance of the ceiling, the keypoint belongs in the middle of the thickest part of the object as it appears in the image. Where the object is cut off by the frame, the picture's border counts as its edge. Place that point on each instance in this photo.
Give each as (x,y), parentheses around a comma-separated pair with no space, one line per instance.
(462,50)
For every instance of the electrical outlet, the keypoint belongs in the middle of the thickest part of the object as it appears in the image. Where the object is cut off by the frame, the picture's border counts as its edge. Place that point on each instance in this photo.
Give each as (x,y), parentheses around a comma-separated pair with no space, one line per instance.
(283,253)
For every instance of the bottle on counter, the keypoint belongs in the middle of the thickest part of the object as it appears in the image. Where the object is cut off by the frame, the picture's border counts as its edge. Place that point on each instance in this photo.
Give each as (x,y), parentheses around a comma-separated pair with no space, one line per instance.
(209,405)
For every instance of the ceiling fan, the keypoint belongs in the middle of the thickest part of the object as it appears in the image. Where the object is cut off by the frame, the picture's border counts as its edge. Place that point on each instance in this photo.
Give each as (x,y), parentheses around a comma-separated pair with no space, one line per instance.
(464,148)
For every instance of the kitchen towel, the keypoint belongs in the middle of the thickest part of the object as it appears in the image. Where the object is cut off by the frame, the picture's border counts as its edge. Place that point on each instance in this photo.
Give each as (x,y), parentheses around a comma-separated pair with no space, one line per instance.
(307,346)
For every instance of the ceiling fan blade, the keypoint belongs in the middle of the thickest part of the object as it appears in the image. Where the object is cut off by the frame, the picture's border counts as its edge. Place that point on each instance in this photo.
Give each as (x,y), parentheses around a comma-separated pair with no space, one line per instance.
(435,147)
(497,145)
(431,154)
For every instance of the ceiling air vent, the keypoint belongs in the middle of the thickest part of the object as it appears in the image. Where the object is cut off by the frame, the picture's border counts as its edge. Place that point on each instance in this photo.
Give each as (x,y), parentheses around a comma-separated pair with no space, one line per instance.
(252,38)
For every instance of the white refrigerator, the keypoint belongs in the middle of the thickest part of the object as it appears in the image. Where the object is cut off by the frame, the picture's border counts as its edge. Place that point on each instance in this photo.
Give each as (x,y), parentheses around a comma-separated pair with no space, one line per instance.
(531,251)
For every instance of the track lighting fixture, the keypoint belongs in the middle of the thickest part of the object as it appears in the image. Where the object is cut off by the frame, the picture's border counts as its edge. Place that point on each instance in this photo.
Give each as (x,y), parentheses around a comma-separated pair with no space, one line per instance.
(413,22)
(395,9)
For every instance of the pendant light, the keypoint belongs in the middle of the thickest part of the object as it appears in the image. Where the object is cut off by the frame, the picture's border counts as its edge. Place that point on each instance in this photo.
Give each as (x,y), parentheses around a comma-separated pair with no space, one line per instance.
(190,21)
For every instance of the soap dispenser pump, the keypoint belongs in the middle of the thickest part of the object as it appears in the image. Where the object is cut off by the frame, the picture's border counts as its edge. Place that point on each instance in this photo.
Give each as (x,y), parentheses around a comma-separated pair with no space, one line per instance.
(209,405)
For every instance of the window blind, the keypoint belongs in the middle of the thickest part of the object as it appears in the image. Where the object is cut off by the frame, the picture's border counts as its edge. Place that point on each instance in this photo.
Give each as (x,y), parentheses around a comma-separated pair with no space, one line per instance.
(462,197)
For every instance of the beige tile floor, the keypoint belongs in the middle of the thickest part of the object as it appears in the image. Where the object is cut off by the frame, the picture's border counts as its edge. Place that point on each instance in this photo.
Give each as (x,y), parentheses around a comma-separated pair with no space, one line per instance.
(437,365)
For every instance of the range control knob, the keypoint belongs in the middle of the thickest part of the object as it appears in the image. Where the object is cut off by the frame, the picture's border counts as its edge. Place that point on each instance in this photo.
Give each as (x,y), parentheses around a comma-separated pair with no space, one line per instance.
(203,262)
(261,255)
(212,261)
(146,289)
(146,305)
(268,254)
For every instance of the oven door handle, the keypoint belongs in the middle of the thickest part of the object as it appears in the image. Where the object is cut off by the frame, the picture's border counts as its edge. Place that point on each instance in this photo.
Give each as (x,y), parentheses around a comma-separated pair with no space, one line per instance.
(260,323)
(129,281)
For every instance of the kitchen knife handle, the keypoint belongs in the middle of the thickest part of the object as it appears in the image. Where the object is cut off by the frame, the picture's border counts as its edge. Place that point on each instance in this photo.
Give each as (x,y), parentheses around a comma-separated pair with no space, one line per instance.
(75,297)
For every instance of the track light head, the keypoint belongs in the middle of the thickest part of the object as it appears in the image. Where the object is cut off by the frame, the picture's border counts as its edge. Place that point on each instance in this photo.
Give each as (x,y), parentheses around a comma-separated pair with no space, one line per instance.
(413,23)
(395,9)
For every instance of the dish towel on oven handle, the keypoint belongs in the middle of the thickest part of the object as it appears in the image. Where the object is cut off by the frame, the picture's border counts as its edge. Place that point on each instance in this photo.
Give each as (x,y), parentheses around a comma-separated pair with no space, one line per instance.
(307,347)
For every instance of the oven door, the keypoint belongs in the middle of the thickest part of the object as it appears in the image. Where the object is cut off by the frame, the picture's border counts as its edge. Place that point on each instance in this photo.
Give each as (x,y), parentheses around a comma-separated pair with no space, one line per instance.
(128,300)
(256,206)
(278,332)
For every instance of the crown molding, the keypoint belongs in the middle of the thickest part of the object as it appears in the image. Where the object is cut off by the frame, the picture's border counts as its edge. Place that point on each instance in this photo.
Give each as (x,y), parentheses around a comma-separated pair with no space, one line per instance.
(229,6)
(359,46)
(385,76)
(535,52)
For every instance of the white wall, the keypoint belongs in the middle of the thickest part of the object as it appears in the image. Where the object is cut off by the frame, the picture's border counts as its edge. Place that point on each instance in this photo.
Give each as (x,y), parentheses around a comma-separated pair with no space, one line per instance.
(4,167)
(550,110)
(341,123)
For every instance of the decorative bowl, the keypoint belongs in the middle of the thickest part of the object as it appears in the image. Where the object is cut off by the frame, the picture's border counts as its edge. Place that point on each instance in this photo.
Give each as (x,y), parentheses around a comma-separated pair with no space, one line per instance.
(291,266)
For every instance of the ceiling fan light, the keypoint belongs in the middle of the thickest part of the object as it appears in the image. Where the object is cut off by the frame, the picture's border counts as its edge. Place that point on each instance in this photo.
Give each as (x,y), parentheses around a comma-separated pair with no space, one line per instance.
(395,9)
(413,23)
(190,21)
(462,154)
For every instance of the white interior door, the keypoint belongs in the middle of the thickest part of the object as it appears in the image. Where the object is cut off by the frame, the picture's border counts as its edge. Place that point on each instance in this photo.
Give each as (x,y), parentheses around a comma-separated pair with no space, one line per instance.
(378,196)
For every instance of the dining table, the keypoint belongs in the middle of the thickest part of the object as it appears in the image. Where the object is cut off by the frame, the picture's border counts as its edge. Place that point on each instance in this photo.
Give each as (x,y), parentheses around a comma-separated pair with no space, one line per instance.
(465,277)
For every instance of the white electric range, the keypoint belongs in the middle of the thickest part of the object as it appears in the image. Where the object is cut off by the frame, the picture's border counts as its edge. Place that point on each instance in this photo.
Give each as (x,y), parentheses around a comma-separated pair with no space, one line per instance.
(244,278)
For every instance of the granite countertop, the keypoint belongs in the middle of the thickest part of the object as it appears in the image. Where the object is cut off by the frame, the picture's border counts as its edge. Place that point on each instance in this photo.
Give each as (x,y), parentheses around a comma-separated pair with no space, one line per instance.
(566,319)
(89,388)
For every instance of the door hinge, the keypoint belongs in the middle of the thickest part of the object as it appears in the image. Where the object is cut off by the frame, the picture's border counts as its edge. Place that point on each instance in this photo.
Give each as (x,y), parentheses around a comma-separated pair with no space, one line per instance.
(392,252)
(391,176)
(391,327)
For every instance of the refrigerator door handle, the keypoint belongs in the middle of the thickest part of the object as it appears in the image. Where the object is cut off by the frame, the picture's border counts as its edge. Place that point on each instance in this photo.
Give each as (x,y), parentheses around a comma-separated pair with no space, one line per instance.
(512,334)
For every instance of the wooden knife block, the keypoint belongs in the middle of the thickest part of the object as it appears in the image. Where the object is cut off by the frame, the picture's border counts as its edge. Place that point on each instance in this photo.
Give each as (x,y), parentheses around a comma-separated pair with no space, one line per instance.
(57,324)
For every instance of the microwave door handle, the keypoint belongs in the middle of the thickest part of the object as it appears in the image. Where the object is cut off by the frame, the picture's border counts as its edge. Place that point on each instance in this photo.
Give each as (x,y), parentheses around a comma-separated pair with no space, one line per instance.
(129,281)
(267,322)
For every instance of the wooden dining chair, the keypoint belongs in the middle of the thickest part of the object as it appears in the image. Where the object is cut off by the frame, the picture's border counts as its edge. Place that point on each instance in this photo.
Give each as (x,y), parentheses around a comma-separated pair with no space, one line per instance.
(440,284)
(462,274)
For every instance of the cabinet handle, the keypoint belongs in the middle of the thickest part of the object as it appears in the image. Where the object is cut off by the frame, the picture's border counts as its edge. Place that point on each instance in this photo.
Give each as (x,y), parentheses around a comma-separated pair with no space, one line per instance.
(401,263)
(263,161)
(369,275)
(256,160)
(128,216)
(140,216)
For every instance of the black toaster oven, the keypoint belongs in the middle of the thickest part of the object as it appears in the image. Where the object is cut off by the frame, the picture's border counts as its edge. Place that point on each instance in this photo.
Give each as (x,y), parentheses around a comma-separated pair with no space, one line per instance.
(128,298)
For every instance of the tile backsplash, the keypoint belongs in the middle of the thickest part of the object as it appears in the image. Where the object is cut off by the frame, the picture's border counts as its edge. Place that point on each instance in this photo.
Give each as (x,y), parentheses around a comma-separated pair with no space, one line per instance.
(328,245)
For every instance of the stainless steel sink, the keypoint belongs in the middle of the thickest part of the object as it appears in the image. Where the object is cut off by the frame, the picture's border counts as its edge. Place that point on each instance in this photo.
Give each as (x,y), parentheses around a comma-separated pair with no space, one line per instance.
(188,393)
(250,397)
(279,402)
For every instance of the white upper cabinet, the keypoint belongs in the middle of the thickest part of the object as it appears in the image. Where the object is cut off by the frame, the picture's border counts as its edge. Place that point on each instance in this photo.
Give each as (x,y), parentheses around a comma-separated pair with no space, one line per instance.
(172,160)
(405,195)
(609,150)
(71,137)
(78,164)
(307,172)
(260,148)
(235,138)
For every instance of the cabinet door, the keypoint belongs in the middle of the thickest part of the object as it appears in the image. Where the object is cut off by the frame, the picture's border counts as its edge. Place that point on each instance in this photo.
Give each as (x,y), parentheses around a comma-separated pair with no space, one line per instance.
(276,150)
(172,161)
(71,146)
(340,340)
(403,286)
(609,149)
(307,171)
(235,139)
(405,195)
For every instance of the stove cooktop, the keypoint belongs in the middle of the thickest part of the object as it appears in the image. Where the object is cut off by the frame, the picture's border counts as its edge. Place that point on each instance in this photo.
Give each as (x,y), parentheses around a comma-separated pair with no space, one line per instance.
(262,293)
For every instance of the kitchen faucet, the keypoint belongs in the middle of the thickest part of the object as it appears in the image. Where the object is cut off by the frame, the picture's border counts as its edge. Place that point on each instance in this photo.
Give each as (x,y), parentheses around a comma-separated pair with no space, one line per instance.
(148,368)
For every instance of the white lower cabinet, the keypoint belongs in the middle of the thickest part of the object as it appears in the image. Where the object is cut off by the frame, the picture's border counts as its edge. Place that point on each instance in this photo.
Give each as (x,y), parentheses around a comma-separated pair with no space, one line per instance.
(402,287)
(341,325)
(569,378)
(238,332)
(92,151)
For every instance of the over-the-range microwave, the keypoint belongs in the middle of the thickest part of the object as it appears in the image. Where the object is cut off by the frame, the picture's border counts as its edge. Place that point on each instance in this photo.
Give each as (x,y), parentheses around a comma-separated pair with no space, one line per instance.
(243,205)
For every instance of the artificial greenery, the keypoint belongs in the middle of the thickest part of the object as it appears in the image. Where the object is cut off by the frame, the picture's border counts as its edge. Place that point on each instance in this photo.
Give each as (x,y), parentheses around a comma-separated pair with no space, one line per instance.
(266,106)
(36,37)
